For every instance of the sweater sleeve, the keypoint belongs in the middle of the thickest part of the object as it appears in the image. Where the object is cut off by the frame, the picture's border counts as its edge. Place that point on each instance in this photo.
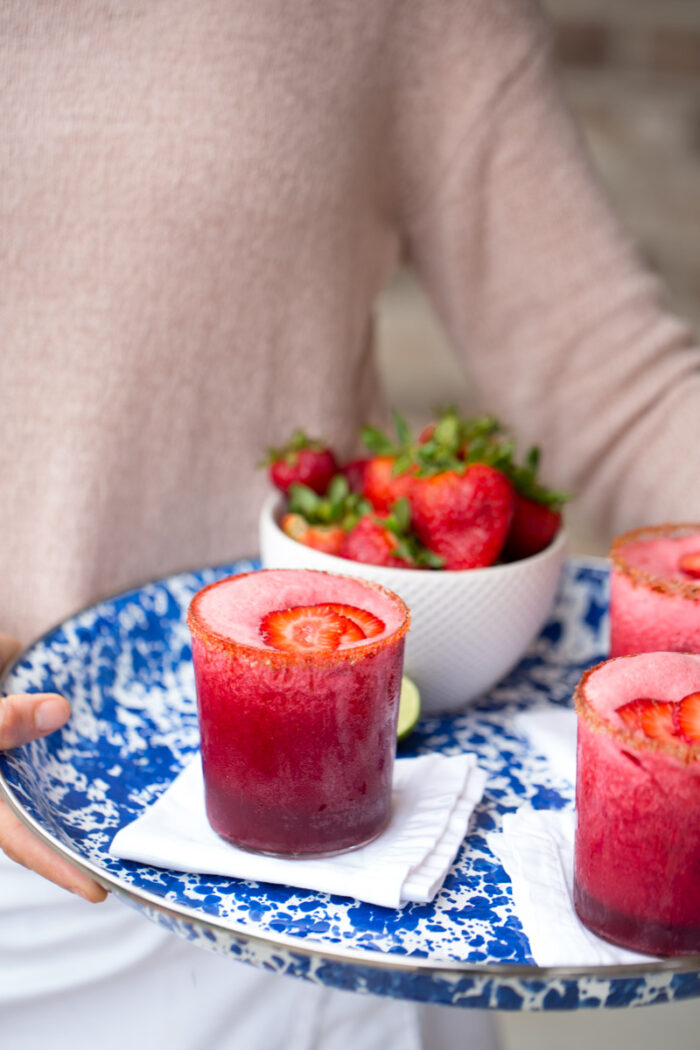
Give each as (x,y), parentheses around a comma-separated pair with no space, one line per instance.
(562,328)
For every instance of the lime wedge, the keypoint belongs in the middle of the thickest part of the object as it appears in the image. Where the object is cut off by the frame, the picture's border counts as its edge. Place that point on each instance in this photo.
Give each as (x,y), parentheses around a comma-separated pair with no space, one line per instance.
(409,707)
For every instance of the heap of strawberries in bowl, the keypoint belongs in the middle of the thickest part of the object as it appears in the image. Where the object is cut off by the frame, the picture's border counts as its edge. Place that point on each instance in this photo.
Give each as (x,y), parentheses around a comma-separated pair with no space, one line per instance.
(454,497)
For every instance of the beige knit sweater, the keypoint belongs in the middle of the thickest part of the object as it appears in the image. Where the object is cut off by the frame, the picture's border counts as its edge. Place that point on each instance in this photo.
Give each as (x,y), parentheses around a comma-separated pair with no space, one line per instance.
(199,203)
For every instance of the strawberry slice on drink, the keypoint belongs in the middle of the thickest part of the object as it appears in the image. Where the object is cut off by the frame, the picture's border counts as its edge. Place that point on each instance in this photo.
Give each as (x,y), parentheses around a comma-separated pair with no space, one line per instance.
(690,564)
(369,624)
(308,629)
(631,712)
(663,719)
(655,718)
(689,718)
(658,720)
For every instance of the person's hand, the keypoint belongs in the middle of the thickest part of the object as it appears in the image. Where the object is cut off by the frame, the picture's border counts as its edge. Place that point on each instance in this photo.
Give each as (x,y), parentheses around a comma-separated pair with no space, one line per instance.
(26,717)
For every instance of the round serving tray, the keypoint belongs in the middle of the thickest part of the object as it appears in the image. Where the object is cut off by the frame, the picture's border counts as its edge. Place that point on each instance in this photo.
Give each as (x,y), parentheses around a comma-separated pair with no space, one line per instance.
(125,665)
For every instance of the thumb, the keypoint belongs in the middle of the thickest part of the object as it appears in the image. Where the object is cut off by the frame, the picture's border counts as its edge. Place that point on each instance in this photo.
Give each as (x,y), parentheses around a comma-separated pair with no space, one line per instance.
(26,716)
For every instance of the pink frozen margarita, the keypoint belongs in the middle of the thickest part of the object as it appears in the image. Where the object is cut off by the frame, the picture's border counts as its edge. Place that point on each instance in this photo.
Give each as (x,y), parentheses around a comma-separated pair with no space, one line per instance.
(655,590)
(298,677)
(637,855)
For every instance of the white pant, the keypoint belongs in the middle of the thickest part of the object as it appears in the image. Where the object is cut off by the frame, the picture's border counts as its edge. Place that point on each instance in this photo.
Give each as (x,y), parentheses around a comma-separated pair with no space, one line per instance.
(74,976)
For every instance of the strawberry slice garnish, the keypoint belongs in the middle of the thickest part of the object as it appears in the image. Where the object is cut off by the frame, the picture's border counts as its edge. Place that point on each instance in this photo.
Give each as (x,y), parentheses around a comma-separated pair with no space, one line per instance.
(690,564)
(352,633)
(631,713)
(658,721)
(308,629)
(655,718)
(689,718)
(368,624)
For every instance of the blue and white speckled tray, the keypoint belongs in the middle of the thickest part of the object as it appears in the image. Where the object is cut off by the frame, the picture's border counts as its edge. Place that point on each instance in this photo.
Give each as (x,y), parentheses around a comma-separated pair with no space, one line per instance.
(125,665)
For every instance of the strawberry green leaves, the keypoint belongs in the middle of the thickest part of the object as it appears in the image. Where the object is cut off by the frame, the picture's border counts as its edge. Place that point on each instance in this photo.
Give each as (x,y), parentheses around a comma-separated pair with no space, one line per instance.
(408,547)
(338,506)
(526,483)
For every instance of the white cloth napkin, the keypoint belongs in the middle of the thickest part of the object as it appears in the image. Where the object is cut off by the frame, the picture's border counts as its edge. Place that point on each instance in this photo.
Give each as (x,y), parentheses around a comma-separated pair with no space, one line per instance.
(433,799)
(552,733)
(536,848)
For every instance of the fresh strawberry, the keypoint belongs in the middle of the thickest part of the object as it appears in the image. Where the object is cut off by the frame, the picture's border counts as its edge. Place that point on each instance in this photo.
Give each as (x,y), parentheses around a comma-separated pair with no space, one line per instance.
(307,629)
(463,516)
(455,440)
(689,718)
(388,474)
(326,538)
(369,624)
(690,564)
(303,461)
(354,471)
(372,543)
(381,486)
(390,540)
(537,515)
(533,528)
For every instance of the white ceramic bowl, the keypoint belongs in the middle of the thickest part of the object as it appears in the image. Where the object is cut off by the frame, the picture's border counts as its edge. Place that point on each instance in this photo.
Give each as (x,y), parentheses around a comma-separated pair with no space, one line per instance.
(468,628)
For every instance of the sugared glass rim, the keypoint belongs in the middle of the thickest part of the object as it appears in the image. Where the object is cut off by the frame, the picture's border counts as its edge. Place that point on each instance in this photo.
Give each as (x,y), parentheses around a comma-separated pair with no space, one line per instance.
(660,584)
(276,657)
(685,753)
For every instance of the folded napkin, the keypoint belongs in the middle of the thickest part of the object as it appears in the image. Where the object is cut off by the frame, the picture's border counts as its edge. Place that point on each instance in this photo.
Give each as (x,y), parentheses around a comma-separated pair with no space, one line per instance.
(536,848)
(433,799)
(552,733)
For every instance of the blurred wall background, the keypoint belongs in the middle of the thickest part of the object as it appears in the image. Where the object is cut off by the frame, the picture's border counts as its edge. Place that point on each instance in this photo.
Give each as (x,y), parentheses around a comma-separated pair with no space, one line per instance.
(631,72)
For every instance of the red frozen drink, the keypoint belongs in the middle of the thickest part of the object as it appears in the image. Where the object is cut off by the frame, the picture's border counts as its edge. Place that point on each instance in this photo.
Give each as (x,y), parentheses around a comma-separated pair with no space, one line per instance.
(637,856)
(298,677)
(655,590)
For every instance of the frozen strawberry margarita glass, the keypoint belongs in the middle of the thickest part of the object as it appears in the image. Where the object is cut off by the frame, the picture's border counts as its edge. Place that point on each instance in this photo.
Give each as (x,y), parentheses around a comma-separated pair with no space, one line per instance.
(298,677)
(655,590)
(637,852)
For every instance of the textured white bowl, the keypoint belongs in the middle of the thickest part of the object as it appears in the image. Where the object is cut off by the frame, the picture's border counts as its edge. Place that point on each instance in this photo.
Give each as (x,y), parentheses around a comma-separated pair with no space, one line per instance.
(468,628)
